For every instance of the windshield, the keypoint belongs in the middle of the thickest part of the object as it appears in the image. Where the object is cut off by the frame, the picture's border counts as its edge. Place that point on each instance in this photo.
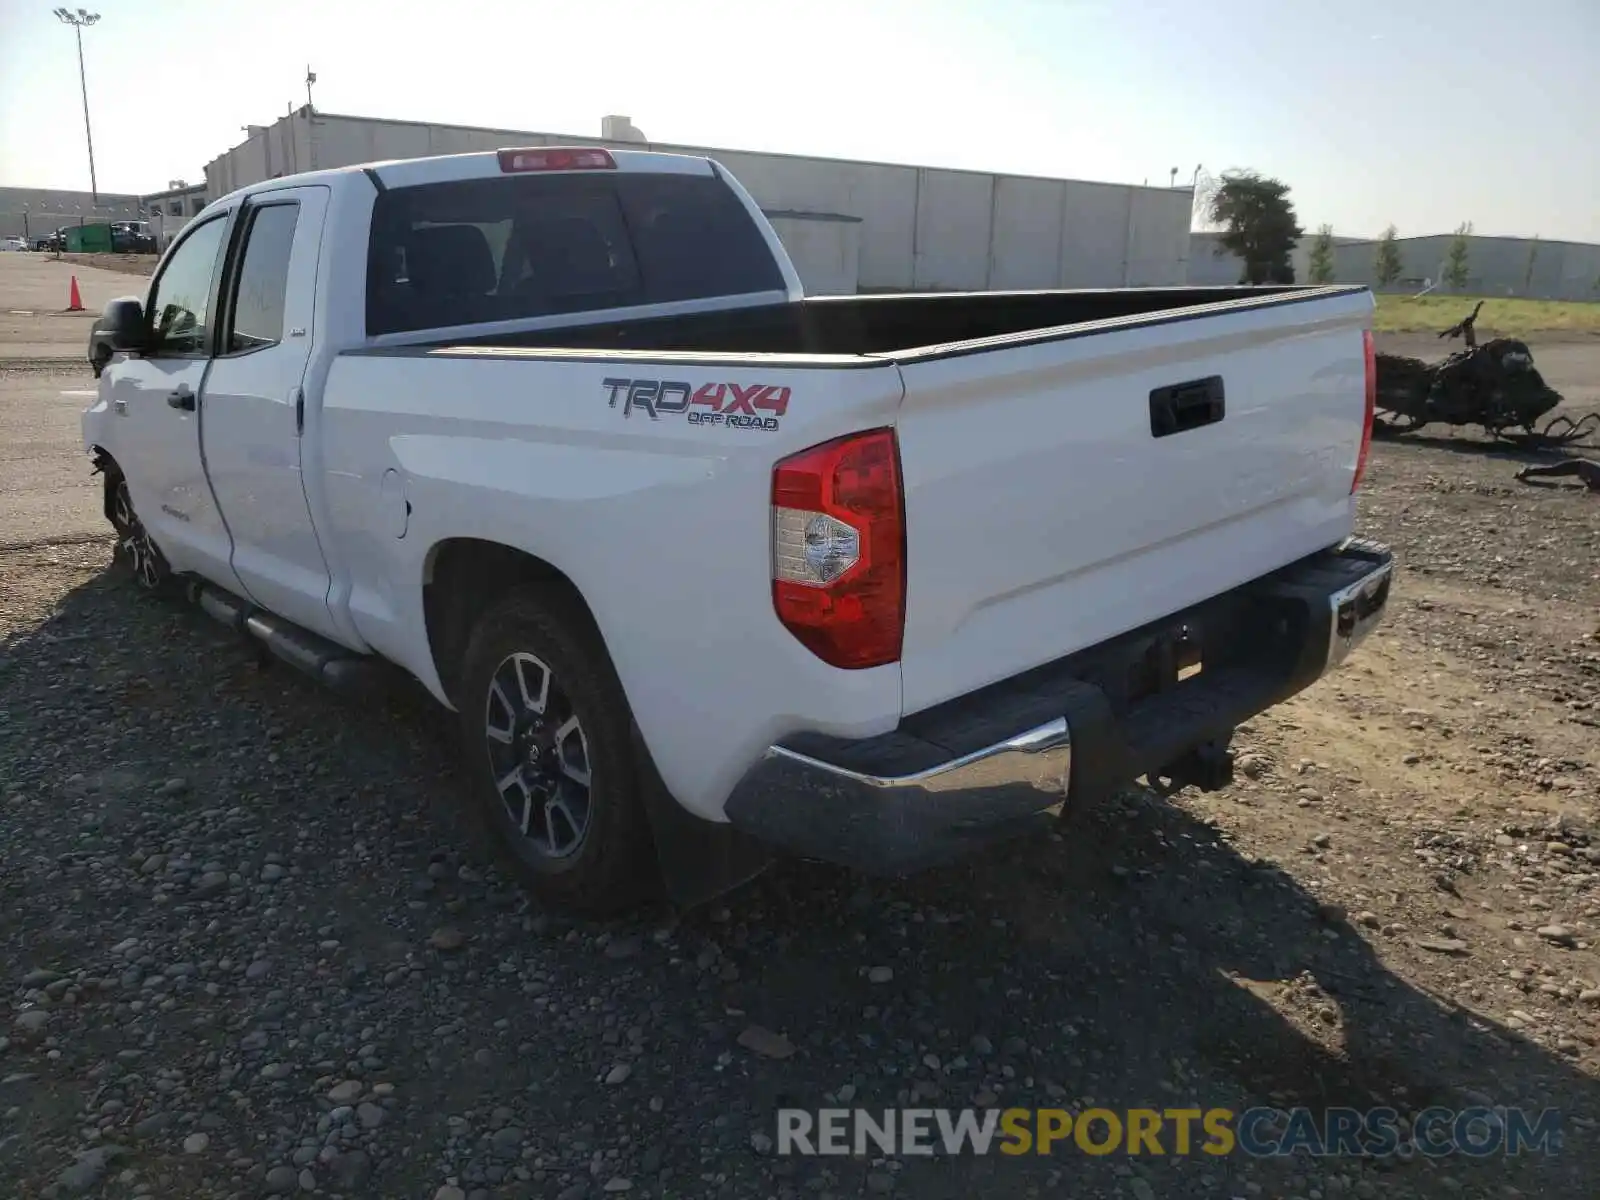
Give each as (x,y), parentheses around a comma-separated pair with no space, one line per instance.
(522,246)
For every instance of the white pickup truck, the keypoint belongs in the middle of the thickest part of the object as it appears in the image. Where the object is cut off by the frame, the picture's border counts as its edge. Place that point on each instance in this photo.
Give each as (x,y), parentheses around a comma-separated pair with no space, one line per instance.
(708,568)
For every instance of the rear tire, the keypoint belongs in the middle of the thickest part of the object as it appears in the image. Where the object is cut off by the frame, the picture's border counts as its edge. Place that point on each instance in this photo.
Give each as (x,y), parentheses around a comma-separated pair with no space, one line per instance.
(545,741)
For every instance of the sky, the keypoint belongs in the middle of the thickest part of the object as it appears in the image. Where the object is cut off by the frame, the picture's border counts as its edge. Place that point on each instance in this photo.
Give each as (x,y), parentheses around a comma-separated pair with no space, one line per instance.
(1419,113)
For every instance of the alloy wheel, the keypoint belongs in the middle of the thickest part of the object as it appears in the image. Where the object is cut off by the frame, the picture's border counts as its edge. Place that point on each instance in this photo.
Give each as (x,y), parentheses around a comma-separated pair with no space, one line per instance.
(538,755)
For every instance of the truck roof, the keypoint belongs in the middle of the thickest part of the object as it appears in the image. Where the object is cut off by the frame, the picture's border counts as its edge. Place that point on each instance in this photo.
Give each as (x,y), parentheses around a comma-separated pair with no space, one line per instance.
(483,164)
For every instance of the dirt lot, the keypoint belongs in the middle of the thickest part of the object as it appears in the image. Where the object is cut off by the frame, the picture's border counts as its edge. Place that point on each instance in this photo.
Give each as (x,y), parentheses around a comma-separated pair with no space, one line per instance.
(122,264)
(249,948)
(34,322)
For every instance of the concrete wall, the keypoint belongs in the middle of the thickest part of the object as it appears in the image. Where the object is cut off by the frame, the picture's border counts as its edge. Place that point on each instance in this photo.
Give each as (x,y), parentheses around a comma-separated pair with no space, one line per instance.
(825,249)
(1496,266)
(1029,220)
(882,198)
(1158,236)
(34,212)
(920,228)
(1211,266)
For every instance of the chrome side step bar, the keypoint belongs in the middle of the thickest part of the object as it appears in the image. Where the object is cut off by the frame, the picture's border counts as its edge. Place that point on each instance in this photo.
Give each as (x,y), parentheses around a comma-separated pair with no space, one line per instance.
(329,663)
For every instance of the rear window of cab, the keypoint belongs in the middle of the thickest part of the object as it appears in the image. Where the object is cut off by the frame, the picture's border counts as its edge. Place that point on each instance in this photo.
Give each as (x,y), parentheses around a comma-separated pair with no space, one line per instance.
(525,246)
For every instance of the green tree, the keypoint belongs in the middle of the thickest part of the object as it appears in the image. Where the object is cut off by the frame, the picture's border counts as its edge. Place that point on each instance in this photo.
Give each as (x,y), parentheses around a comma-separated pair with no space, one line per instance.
(1322,255)
(1258,224)
(1455,265)
(1387,264)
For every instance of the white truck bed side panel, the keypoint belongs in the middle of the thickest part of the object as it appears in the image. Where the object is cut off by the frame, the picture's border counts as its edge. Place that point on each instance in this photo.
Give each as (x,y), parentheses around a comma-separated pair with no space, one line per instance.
(663,525)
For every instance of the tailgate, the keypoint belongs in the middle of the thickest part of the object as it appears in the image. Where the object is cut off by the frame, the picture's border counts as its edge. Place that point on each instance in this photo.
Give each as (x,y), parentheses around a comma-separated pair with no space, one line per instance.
(1062,490)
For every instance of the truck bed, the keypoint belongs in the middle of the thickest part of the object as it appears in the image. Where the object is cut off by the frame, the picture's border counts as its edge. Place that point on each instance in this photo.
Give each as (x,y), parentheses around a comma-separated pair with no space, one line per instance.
(901,326)
(1074,463)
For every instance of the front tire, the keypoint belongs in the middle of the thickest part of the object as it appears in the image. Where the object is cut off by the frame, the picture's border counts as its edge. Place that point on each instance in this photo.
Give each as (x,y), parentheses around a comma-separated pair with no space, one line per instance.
(545,738)
(135,546)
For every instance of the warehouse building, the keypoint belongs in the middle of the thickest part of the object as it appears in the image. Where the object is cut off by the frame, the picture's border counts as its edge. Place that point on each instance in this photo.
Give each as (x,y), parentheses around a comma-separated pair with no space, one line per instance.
(850,226)
(33,212)
(170,210)
(1496,266)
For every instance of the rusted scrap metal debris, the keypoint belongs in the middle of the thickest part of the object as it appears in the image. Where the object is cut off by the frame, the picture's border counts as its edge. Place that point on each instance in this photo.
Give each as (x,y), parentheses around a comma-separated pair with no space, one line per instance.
(1493,384)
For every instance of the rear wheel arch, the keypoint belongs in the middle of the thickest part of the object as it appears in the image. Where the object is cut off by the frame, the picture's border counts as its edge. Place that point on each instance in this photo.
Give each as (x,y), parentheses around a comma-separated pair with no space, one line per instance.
(466,580)
(545,726)
(462,578)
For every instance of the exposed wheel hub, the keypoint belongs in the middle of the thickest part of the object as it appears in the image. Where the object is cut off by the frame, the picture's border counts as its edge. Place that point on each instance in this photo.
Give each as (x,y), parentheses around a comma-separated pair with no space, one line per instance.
(536,743)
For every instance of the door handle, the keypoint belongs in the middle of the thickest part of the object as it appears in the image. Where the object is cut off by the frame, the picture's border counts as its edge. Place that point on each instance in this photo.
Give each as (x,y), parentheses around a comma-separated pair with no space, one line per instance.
(1185,406)
(183,399)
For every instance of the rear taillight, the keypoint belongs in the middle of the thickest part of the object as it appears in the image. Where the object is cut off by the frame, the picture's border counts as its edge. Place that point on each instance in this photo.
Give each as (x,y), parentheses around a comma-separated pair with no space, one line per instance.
(839,549)
(557,158)
(1371,354)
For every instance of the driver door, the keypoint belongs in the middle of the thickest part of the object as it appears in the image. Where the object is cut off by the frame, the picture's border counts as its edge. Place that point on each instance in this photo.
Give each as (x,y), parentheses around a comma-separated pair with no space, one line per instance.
(154,400)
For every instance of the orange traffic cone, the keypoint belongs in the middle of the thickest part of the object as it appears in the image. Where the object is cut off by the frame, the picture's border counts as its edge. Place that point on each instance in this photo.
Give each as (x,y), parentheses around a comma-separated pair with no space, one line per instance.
(75,301)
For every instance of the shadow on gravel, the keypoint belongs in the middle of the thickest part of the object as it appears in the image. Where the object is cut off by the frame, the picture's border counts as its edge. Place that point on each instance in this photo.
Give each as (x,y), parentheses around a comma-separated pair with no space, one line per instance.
(1132,960)
(1147,964)
(1557,485)
(1470,443)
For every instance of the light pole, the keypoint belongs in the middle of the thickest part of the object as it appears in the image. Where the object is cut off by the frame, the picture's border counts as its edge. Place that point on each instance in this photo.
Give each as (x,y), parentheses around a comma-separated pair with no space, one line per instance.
(78,19)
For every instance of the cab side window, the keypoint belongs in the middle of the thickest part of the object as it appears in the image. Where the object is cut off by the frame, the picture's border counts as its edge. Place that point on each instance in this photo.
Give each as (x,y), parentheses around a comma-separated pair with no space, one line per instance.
(180,301)
(262,282)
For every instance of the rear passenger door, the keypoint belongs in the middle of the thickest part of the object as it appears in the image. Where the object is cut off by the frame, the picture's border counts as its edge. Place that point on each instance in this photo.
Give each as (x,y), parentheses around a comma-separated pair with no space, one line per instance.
(254,405)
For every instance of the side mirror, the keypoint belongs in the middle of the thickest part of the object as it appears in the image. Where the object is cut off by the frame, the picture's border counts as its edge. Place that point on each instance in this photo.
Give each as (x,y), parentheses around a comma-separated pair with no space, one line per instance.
(120,328)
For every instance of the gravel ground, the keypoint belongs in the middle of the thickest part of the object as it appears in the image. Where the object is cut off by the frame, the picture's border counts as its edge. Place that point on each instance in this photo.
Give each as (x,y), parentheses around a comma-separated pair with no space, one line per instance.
(249,948)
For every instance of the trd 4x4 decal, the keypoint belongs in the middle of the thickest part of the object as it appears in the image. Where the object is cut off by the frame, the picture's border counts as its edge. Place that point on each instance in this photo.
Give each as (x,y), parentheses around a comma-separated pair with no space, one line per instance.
(738,405)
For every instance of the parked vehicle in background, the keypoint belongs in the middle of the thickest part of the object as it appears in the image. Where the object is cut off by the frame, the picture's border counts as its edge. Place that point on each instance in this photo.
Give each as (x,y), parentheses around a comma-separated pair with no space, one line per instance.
(55,241)
(14,243)
(132,237)
(707,568)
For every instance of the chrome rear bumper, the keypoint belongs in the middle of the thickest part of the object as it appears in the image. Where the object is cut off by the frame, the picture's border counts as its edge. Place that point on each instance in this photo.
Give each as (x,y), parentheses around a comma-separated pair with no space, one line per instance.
(1356,609)
(898,822)
(937,786)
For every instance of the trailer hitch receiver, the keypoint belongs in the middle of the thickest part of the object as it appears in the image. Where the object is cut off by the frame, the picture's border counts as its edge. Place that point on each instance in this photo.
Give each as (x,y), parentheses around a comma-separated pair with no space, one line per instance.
(1209,767)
